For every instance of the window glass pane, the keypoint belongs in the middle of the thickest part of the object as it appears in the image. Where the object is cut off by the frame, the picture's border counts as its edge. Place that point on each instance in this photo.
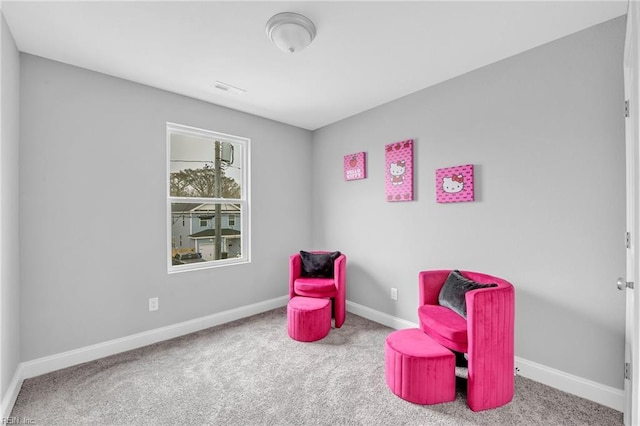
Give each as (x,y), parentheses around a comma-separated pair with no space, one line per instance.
(208,198)
(197,163)
(205,232)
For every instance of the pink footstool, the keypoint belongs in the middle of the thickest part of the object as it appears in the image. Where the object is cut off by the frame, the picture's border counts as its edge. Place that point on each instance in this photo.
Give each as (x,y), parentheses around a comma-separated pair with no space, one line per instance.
(418,369)
(308,318)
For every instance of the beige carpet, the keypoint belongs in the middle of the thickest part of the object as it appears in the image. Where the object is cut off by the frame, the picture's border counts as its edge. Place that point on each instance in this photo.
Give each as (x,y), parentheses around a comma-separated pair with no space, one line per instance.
(249,372)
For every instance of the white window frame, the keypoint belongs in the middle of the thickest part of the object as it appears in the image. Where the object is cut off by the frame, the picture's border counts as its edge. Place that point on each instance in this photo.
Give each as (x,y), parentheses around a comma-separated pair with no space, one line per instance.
(244,200)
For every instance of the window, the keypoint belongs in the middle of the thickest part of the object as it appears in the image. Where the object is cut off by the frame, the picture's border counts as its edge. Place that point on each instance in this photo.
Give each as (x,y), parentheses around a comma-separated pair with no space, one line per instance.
(208,198)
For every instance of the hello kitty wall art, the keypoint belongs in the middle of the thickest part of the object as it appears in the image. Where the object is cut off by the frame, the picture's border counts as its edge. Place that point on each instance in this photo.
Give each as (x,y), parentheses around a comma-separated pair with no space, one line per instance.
(454,184)
(355,166)
(399,171)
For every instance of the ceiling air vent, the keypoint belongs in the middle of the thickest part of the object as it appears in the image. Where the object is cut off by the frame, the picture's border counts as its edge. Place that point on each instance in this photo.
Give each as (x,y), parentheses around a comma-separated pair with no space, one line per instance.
(228,88)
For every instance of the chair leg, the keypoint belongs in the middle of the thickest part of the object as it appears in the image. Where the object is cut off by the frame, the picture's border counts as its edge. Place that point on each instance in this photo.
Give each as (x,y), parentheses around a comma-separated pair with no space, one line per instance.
(339,312)
(490,383)
(461,359)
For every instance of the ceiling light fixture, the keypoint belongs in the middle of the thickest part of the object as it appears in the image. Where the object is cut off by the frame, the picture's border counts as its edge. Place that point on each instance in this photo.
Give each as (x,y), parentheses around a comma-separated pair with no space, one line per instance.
(290,31)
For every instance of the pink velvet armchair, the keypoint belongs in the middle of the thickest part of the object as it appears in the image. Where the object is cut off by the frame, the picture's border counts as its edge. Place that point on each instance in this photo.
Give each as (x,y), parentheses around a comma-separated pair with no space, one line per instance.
(333,287)
(486,335)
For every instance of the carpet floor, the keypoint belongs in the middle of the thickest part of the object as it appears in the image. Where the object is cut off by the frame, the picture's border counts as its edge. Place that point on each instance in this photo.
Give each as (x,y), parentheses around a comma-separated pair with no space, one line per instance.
(249,372)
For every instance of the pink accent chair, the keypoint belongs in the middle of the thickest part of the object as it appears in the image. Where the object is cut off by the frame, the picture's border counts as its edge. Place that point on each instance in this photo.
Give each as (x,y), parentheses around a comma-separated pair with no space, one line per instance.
(333,288)
(486,335)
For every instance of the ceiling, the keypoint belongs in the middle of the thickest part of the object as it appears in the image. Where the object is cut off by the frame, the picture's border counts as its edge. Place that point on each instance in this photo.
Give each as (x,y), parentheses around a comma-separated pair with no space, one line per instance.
(366,53)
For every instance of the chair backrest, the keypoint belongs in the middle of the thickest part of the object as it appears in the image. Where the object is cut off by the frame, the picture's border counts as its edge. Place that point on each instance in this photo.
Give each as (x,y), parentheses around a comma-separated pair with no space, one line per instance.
(430,283)
(339,271)
(490,311)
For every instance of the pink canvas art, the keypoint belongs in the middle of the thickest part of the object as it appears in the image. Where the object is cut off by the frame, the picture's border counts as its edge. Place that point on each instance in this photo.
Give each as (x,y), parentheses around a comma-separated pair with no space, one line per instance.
(355,166)
(454,184)
(399,171)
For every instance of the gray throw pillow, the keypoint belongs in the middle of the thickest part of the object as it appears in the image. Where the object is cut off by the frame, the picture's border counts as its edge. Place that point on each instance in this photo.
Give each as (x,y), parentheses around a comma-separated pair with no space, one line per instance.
(452,294)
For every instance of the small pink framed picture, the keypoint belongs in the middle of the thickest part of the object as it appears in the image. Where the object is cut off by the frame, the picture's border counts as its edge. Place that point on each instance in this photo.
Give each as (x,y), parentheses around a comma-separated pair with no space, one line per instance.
(355,166)
(454,184)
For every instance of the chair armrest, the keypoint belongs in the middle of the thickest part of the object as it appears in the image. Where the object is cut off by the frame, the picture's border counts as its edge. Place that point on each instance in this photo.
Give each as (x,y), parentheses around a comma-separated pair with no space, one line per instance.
(429,285)
(490,346)
(340,274)
(295,271)
(490,319)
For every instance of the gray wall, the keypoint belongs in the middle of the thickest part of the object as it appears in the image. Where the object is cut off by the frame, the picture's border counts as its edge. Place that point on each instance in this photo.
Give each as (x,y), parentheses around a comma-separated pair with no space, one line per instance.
(545,131)
(9,198)
(93,209)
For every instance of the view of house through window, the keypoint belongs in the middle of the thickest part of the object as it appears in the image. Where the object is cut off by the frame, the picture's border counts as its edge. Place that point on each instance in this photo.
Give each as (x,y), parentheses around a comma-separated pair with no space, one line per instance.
(207,198)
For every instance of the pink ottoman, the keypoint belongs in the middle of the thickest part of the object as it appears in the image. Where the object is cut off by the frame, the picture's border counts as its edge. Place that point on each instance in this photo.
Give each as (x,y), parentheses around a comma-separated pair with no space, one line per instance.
(308,318)
(418,369)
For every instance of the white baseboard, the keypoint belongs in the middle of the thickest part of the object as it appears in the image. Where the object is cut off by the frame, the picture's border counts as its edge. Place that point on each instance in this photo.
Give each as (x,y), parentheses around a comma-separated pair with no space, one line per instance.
(602,394)
(12,394)
(379,317)
(587,389)
(89,353)
(593,391)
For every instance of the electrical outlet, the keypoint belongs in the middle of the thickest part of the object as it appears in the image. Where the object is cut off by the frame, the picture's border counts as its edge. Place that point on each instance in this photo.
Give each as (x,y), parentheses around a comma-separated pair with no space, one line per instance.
(153,304)
(394,293)
(516,372)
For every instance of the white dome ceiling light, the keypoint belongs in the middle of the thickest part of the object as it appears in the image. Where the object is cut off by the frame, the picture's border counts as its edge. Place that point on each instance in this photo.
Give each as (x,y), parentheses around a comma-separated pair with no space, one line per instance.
(291,32)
